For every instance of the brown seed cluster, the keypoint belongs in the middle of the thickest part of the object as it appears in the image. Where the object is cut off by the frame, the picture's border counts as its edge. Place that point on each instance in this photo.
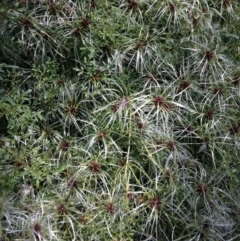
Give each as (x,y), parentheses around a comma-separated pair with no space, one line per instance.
(171,146)
(131,197)
(201,189)
(184,85)
(159,101)
(208,55)
(85,22)
(94,167)
(26,23)
(209,114)
(62,209)
(155,202)
(37,227)
(172,7)
(73,184)
(72,110)
(109,207)
(132,5)
(64,145)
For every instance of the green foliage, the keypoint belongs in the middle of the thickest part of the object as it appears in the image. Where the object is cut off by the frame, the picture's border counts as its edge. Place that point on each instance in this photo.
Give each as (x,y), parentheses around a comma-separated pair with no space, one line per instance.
(120,120)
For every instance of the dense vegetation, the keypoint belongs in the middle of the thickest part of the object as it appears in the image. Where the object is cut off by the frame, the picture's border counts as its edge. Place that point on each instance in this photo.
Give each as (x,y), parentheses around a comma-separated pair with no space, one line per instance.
(120,120)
